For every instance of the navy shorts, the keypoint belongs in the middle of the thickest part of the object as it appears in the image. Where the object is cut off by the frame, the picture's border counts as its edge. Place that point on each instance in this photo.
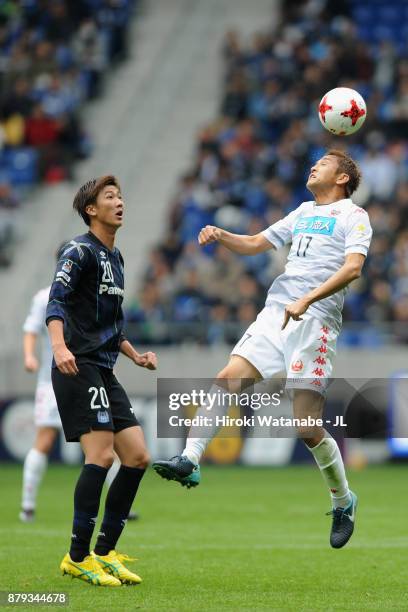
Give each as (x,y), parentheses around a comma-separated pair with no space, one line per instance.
(91,400)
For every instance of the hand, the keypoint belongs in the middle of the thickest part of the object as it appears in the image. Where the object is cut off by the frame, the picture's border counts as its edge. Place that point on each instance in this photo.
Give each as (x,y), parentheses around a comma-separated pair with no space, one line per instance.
(65,360)
(294,311)
(147,360)
(31,363)
(209,234)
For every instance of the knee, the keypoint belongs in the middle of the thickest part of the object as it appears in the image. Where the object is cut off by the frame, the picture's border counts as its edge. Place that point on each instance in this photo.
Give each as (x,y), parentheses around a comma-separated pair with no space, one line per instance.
(45,441)
(139,460)
(45,446)
(107,457)
(143,461)
(104,458)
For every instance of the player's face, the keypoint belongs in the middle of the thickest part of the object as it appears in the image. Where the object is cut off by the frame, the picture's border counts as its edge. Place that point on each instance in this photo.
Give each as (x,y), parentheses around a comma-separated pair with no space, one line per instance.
(109,207)
(324,173)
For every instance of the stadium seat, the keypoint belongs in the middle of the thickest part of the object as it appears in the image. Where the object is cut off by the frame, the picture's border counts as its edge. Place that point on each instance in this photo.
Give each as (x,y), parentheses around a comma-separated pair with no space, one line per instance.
(21,164)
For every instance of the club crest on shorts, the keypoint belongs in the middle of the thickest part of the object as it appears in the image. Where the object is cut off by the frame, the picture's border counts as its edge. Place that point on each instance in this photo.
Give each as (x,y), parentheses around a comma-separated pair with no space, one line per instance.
(102,416)
(297,366)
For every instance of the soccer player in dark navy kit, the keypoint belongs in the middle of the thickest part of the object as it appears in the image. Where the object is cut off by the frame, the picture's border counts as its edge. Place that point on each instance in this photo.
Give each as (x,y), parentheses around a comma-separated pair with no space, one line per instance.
(85,323)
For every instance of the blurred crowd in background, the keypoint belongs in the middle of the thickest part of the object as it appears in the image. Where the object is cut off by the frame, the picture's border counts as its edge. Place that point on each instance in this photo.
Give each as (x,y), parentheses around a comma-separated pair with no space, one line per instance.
(54,55)
(251,163)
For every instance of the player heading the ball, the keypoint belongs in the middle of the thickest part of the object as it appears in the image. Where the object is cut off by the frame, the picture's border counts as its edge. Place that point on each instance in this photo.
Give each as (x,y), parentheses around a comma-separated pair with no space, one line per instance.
(298,328)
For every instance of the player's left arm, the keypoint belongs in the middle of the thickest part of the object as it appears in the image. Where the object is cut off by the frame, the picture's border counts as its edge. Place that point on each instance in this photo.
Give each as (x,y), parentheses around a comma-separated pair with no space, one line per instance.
(349,271)
(144,360)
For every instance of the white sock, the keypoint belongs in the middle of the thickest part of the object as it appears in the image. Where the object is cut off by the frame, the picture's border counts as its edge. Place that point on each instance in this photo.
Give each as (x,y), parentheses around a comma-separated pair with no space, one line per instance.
(34,467)
(328,457)
(195,447)
(113,470)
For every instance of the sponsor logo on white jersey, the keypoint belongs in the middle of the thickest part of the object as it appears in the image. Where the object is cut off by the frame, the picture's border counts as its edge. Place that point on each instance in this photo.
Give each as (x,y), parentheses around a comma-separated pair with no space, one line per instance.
(361,228)
(315,225)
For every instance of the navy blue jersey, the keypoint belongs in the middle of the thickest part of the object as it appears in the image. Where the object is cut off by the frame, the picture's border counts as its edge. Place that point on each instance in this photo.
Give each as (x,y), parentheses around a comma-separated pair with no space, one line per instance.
(87,295)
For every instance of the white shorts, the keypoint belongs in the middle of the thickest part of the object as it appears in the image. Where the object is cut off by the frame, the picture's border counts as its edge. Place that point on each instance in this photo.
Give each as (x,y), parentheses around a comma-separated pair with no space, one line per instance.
(304,350)
(45,409)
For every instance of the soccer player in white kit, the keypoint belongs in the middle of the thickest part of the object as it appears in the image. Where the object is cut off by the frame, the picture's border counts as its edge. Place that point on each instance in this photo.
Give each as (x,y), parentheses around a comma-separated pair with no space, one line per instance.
(46,417)
(297,330)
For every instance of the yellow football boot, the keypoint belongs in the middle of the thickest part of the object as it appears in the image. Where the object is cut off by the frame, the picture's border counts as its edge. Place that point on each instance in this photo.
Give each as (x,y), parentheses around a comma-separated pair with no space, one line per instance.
(89,570)
(112,563)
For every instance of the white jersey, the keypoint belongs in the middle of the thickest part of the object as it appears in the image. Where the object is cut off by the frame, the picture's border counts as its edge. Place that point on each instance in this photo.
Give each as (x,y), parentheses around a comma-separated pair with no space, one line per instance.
(321,237)
(35,324)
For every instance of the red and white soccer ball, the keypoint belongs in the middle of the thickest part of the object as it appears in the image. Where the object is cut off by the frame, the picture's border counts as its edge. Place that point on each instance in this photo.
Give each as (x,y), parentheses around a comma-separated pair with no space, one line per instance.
(342,111)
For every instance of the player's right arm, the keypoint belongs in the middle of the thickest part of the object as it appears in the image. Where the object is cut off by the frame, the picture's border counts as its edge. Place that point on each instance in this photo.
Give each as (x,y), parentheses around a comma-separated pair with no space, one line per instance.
(70,267)
(241,244)
(274,237)
(64,359)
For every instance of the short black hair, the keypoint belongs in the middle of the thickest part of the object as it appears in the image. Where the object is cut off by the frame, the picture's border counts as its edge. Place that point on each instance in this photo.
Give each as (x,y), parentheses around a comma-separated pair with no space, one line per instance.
(88,193)
(347,165)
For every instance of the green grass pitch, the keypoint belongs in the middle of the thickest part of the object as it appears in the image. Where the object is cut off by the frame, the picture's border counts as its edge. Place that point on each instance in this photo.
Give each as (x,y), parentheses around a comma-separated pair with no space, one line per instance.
(245,539)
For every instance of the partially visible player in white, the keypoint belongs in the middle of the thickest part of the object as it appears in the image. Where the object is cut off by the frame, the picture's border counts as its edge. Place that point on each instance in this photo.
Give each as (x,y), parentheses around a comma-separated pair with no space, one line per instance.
(46,417)
(297,330)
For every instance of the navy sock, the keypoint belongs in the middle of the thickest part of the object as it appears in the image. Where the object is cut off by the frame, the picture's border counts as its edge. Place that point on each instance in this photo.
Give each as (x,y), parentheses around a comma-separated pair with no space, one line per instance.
(119,500)
(86,505)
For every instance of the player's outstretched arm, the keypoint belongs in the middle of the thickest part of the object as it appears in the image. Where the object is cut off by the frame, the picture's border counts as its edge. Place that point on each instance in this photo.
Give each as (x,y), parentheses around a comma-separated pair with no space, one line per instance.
(145,360)
(349,271)
(241,244)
